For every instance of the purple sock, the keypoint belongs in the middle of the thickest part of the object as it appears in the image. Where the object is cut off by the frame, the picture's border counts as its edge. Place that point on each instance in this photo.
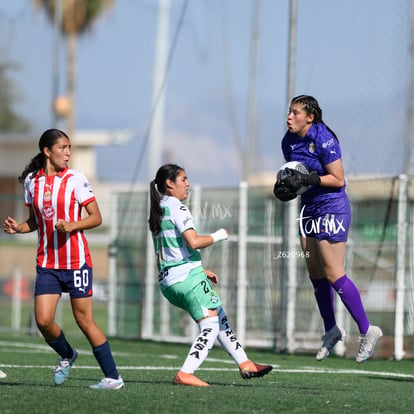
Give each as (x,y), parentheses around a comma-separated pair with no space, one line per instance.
(325,299)
(351,298)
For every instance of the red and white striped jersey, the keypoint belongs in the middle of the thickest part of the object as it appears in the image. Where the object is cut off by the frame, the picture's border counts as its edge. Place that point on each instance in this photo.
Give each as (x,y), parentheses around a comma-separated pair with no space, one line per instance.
(61,196)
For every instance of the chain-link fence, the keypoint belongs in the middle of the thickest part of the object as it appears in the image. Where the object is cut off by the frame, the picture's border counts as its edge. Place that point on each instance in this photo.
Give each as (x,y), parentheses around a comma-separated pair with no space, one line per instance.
(266,306)
(255,283)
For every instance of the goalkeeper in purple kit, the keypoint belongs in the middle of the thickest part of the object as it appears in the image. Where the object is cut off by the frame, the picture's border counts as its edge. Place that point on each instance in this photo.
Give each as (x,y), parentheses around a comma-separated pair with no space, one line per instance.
(324,222)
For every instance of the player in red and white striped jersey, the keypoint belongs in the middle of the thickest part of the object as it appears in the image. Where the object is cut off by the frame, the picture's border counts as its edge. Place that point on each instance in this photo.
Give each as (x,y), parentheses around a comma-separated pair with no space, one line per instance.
(56,196)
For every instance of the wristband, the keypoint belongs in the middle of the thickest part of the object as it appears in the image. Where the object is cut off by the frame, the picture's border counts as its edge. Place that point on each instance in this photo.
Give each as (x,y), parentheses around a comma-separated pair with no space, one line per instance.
(221,234)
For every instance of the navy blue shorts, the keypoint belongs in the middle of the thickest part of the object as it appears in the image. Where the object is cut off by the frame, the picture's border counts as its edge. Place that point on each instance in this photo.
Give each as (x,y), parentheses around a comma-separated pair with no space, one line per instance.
(78,283)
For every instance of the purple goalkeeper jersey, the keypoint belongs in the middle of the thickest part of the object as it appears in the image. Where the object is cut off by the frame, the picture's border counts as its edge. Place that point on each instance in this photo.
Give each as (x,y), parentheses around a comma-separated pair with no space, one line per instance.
(317,149)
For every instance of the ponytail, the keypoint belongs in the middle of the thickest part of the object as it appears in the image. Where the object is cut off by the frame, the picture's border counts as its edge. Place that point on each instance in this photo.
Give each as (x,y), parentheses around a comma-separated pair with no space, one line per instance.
(35,164)
(155,209)
(164,173)
(47,140)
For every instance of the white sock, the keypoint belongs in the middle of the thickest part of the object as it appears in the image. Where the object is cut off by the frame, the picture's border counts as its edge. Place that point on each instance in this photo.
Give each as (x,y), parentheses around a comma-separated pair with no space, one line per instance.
(201,346)
(228,339)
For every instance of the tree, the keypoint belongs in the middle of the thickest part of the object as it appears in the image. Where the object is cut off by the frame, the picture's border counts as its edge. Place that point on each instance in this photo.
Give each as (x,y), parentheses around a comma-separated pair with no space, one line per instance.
(10,120)
(77,17)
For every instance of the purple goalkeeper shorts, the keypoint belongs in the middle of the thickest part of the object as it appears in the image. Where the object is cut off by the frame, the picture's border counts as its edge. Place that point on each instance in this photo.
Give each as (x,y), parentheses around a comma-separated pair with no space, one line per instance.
(328,220)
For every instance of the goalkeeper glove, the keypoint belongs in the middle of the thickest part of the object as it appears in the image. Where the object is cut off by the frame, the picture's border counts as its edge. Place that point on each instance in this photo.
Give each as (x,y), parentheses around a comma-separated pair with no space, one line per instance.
(296,179)
(283,193)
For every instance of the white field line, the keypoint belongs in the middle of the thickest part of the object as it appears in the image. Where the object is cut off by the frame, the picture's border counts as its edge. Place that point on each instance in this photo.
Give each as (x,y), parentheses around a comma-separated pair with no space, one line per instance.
(23,347)
(276,369)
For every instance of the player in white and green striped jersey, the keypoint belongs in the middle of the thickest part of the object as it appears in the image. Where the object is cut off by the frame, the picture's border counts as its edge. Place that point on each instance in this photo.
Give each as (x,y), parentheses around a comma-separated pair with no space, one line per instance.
(184,281)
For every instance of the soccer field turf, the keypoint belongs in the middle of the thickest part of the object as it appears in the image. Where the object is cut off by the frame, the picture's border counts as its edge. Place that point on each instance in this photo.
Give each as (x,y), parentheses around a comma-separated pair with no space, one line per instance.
(297,384)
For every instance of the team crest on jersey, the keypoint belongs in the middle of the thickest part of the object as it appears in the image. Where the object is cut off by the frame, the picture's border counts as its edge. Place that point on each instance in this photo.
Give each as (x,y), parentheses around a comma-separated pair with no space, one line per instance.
(47,196)
(213,297)
(48,212)
(312,148)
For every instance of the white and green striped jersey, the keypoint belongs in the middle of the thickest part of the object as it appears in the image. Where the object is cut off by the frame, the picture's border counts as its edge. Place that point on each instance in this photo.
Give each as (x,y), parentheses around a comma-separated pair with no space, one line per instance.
(175,258)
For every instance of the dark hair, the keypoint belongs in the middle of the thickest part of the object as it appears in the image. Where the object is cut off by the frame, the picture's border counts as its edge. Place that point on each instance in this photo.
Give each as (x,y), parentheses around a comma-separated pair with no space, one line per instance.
(47,140)
(164,173)
(311,106)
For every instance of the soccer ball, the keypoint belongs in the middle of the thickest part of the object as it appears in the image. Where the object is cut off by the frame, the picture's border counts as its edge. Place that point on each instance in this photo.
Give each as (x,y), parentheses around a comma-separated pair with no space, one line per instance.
(294,165)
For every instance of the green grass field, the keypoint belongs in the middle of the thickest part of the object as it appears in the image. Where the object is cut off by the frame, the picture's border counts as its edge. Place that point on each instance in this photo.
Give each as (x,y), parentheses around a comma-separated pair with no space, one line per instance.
(297,384)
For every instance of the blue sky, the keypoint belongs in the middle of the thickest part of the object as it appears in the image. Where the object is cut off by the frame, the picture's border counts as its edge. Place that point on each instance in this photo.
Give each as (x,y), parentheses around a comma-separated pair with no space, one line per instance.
(352,56)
